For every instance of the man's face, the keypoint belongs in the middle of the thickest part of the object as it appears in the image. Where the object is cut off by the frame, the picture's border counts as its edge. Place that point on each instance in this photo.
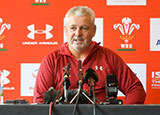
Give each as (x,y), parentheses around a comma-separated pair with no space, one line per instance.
(79,31)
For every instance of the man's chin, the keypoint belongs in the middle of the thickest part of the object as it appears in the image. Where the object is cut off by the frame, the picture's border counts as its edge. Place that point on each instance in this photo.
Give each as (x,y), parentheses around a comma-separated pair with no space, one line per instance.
(79,48)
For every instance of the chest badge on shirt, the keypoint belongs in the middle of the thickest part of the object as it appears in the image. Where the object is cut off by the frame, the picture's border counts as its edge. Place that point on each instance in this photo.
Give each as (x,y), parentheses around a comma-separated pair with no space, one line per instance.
(99,68)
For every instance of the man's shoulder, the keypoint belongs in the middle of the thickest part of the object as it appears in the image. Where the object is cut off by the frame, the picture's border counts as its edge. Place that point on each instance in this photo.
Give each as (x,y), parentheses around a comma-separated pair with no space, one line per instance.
(55,53)
(104,50)
(107,53)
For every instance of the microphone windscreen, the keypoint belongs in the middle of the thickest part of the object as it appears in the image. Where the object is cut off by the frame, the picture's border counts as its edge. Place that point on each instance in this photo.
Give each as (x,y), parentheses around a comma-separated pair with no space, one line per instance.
(90,73)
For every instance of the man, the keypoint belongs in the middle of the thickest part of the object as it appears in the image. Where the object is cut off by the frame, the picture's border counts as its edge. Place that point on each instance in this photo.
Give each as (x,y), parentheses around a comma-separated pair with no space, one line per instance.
(79,30)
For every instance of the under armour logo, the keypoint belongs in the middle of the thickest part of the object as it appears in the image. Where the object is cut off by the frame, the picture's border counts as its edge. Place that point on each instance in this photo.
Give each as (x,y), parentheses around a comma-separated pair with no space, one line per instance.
(31,28)
(3,77)
(99,68)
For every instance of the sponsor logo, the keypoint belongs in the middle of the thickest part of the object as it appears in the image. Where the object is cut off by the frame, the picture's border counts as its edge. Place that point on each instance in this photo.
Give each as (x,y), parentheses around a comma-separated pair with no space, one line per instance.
(126,2)
(155,82)
(158,42)
(126,28)
(99,68)
(40,2)
(34,75)
(99,33)
(29,73)
(155,34)
(33,32)
(3,76)
(3,27)
(4,80)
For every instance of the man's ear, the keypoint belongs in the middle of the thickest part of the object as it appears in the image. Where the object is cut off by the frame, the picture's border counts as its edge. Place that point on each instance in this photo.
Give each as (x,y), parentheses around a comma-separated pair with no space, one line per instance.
(94,30)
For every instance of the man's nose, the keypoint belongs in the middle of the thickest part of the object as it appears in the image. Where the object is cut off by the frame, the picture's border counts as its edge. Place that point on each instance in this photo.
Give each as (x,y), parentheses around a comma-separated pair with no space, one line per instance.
(78,32)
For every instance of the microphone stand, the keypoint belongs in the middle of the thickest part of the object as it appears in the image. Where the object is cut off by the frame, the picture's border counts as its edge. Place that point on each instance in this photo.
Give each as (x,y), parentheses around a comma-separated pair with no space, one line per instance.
(91,85)
(80,84)
(66,83)
(80,88)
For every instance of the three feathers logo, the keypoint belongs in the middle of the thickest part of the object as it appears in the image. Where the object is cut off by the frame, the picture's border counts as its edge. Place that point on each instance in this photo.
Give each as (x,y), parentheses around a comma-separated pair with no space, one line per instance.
(126,28)
(3,27)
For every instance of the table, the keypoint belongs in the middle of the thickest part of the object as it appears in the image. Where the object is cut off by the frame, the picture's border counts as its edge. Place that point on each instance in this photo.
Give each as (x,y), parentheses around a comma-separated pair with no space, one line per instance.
(82,109)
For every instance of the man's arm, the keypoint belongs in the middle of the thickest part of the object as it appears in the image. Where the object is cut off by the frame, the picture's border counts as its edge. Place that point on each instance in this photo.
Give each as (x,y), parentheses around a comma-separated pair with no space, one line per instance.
(44,80)
(129,83)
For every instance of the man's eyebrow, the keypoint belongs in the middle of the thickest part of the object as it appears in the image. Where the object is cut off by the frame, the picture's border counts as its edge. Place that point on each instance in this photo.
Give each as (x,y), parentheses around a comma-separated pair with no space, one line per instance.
(71,25)
(80,26)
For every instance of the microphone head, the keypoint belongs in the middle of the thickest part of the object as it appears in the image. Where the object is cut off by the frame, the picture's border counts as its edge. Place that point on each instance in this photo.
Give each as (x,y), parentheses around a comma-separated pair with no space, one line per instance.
(90,73)
(79,64)
(68,66)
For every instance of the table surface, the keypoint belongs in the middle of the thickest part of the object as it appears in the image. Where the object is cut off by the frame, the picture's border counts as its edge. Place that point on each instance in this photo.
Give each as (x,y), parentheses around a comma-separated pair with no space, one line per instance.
(82,109)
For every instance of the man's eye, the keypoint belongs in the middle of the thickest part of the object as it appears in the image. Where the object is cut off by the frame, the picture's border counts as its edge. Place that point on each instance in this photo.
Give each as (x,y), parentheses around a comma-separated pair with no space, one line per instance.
(73,28)
(84,28)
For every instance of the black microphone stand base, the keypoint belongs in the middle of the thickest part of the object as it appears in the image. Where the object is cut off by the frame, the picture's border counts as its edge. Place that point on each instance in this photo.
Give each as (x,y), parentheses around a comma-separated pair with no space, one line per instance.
(77,95)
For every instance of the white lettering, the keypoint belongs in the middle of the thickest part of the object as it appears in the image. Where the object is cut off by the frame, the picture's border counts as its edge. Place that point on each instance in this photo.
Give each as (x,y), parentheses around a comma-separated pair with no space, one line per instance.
(1,45)
(126,45)
(156,81)
(122,45)
(41,1)
(39,43)
(157,74)
(130,45)
(152,74)
(29,43)
(9,88)
(48,43)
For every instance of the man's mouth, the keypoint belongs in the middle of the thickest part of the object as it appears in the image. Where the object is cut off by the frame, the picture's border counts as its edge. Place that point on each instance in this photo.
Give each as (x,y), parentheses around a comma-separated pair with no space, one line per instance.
(78,39)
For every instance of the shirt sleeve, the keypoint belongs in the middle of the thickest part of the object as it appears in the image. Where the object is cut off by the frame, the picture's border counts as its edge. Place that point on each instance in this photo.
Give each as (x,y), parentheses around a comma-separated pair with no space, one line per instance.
(44,80)
(128,83)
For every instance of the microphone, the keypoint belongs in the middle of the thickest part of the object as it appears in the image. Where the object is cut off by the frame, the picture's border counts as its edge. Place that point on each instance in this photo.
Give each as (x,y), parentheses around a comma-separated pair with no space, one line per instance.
(66,74)
(90,77)
(111,86)
(68,67)
(112,90)
(80,74)
(50,95)
(66,82)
